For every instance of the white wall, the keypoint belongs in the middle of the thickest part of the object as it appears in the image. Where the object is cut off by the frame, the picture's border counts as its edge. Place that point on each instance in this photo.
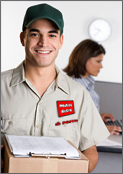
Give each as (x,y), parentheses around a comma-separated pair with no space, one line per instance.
(77,17)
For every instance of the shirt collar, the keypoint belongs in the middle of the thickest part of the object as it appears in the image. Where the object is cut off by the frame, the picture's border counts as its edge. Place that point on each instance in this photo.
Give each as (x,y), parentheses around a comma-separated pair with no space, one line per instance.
(89,82)
(19,77)
(61,81)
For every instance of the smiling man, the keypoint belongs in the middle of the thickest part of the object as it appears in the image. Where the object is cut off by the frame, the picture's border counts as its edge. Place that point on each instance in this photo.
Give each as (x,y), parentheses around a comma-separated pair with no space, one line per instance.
(42,41)
(37,99)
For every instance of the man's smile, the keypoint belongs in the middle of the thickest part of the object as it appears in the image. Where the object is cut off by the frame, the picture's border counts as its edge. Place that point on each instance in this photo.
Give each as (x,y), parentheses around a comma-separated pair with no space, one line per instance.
(43,52)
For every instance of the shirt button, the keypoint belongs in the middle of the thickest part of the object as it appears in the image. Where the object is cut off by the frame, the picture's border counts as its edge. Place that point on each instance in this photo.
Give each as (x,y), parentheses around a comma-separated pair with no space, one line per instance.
(37,126)
(10,122)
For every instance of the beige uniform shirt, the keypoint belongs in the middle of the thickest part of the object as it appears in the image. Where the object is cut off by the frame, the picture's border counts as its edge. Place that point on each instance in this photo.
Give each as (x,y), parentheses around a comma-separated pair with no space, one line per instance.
(66,109)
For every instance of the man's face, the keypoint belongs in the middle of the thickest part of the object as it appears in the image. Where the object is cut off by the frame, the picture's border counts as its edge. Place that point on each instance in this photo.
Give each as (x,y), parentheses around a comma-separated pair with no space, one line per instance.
(42,42)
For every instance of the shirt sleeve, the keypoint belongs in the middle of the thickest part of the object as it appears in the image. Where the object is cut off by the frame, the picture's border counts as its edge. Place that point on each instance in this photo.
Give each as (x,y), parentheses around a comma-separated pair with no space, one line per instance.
(92,127)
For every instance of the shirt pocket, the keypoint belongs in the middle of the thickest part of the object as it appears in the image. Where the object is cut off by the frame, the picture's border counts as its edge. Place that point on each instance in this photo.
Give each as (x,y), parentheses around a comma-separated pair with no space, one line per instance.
(14,126)
(68,129)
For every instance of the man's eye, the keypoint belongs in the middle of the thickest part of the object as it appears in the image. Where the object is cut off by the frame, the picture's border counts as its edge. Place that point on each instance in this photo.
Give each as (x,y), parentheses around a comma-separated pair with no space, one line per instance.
(52,35)
(34,34)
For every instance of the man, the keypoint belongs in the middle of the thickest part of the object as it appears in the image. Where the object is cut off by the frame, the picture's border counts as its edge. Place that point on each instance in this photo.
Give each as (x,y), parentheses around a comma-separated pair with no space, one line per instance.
(37,99)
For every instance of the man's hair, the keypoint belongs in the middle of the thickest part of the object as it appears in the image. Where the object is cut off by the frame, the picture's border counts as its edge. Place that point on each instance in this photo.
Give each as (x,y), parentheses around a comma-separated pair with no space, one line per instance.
(54,25)
(80,55)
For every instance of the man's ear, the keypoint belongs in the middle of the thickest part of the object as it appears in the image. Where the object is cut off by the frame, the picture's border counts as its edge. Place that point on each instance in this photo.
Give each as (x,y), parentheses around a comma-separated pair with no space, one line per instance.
(22,38)
(61,40)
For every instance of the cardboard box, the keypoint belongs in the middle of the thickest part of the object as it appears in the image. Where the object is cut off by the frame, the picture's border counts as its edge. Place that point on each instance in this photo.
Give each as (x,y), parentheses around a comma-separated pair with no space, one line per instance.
(42,164)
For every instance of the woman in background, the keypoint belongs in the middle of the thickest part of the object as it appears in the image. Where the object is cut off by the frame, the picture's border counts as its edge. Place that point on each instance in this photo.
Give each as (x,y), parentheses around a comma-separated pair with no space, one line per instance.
(85,61)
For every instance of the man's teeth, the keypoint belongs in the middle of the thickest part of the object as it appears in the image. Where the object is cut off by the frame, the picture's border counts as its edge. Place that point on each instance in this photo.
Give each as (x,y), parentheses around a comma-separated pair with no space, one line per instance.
(43,52)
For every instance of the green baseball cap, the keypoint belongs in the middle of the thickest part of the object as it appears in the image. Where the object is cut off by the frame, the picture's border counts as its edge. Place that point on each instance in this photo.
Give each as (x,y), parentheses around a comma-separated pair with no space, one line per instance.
(40,11)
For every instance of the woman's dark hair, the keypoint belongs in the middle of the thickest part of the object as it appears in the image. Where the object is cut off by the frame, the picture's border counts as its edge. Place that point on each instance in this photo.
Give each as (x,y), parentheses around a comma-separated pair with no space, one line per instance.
(80,55)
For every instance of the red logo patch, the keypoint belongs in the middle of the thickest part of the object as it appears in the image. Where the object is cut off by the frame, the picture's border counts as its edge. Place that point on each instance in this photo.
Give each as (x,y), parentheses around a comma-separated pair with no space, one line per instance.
(65,108)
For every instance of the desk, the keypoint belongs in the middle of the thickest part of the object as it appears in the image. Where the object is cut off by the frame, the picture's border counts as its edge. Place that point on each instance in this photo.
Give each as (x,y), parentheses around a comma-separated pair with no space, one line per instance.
(109,163)
(117,149)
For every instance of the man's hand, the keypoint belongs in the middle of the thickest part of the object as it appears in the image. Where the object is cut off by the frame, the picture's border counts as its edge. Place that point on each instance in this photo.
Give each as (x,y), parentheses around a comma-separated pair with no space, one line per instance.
(106,116)
(92,154)
(1,156)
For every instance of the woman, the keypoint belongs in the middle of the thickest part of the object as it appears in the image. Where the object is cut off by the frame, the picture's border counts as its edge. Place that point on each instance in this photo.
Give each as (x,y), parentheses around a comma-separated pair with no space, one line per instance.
(85,61)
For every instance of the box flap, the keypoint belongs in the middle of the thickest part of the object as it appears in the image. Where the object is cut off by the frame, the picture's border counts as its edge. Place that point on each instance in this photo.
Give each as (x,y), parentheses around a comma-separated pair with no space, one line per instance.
(83,157)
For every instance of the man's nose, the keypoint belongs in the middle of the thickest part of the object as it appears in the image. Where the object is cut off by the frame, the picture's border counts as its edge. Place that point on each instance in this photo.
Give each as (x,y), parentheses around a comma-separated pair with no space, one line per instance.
(43,40)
